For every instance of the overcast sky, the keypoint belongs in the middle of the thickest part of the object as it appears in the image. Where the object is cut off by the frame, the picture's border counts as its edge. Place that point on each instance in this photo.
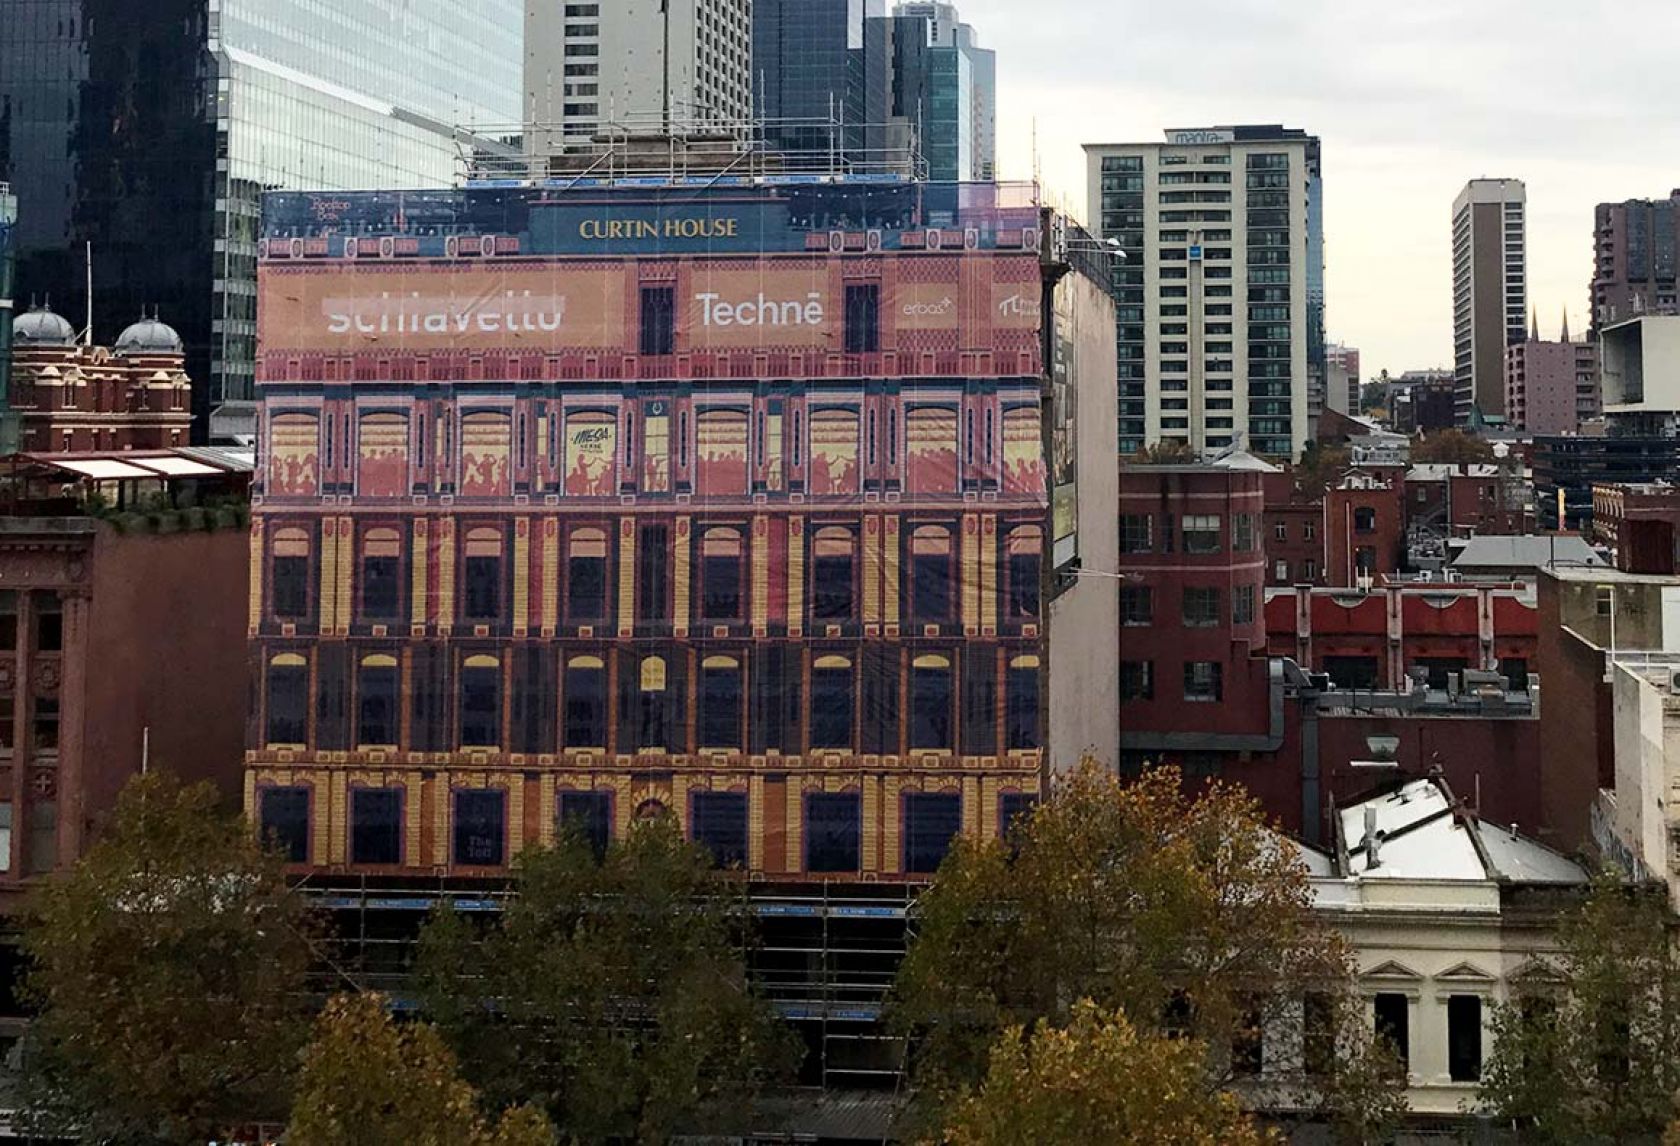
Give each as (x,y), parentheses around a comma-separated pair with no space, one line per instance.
(1581,101)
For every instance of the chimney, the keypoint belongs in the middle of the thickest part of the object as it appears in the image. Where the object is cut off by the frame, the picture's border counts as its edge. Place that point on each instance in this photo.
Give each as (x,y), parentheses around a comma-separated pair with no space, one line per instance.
(1372,840)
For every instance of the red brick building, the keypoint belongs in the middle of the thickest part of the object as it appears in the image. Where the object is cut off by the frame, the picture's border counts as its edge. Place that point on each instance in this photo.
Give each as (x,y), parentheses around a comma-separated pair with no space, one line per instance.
(1351,532)
(1638,523)
(113,631)
(1377,640)
(66,396)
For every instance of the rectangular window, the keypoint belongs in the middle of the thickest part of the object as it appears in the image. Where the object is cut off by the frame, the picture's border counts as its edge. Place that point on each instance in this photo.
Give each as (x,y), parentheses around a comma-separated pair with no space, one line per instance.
(1318,1034)
(1248,1045)
(376,825)
(376,701)
(1309,569)
(381,586)
(8,620)
(481,827)
(833,832)
(1135,533)
(659,319)
(930,588)
(1242,537)
(863,318)
(49,623)
(290,586)
(482,597)
(1137,605)
(1280,571)
(931,821)
(1309,531)
(285,822)
(721,702)
(1021,708)
(43,837)
(1464,1038)
(833,687)
(1392,1015)
(1201,533)
(481,703)
(1351,671)
(652,574)
(1013,810)
(1242,605)
(718,823)
(586,704)
(5,835)
(586,578)
(589,815)
(1201,608)
(1280,532)
(1137,680)
(288,700)
(1204,680)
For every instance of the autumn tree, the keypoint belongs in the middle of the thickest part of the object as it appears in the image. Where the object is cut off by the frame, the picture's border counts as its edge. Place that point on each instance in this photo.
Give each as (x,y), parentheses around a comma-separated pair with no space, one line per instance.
(1322,465)
(370,1081)
(1185,914)
(1098,1079)
(1451,446)
(1589,1049)
(168,969)
(1168,452)
(611,994)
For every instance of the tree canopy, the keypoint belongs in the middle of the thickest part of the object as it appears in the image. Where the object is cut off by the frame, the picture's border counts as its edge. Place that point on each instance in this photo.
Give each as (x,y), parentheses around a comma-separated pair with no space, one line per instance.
(1589,1049)
(1099,1079)
(168,968)
(611,994)
(1184,913)
(370,1081)
(1451,446)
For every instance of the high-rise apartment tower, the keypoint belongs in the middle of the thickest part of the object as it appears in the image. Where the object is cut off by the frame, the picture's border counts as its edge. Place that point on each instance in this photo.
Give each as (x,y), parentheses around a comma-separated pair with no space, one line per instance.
(1490,293)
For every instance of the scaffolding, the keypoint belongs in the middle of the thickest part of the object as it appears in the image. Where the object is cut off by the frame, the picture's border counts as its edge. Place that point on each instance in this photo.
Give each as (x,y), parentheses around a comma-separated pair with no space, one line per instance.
(636,147)
(823,954)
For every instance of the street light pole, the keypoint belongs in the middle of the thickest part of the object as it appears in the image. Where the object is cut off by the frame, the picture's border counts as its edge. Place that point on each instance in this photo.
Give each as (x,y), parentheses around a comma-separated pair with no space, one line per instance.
(665,58)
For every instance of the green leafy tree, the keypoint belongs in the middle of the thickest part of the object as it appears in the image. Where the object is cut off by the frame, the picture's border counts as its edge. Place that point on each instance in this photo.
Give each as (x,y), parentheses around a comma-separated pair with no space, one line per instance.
(168,969)
(1452,447)
(1098,1079)
(370,1081)
(612,995)
(1322,465)
(1185,913)
(1589,1050)
(1171,452)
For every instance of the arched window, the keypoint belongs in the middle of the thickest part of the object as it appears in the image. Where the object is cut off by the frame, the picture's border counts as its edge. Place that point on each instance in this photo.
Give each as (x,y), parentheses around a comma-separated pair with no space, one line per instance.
(833,687)
(1021,703)
(289,574)
(721,569)
(833,574)
(586,576)
(1025,552)
(586,703)
(931,554)
(1364,519)
(720,703)
(481,702)
(481,576)
(376,700)
(288,699)
(381,575)
(930,703)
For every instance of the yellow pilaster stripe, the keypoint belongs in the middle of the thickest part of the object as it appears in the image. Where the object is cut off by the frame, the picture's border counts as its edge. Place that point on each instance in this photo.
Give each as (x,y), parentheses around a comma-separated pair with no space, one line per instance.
(338,800)
(346,567)
(989,793)
(871,570)
(521,576)
(442,791)
(796,575)
(795,826)
(329,575)
(988,572)
(446,574)
(970,571)
(755,823)
(760,572)
(680,583)
(417,583)
(871,823)
(889,824)
(256,575)
(550,810)
(413,789)
(626,580)
(516,814)
(889,549)
(550,575)
(971,805)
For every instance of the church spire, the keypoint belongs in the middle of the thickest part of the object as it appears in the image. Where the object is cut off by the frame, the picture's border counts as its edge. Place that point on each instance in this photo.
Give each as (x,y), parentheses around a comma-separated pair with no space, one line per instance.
(1565,337)
(1533,325)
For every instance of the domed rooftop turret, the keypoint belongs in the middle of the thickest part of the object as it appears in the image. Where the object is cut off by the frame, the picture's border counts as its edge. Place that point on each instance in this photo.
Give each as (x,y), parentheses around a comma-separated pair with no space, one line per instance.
(39,326)
(148,336)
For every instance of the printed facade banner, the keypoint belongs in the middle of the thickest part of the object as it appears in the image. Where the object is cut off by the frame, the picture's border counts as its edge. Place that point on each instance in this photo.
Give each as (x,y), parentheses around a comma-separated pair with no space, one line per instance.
(721,448)
(293,454)
(930,447)
(1023,451)
(834,453)
(383,456)
(590,442)
(485,445)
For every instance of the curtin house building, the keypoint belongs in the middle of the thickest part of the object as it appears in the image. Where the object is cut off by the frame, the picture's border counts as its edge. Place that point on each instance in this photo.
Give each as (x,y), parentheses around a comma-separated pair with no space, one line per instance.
(758,501)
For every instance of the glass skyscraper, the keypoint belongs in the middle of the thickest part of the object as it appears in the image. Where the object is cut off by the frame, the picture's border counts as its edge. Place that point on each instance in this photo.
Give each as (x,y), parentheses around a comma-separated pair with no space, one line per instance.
(945,84)
(820,61)
(147,132)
